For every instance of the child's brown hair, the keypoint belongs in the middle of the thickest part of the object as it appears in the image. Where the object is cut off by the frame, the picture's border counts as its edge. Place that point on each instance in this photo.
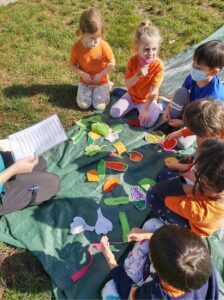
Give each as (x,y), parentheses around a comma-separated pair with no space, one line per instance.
(145,29)
(180,257)
(209,166)
(90,22)
(210,54)
(205,118)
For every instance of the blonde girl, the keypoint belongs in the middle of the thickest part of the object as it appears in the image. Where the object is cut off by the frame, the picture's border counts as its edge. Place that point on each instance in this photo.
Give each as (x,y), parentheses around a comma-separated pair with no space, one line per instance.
(143,77)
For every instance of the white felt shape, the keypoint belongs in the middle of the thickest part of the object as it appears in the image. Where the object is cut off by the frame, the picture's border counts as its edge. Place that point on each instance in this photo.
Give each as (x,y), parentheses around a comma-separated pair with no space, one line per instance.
(103,225)
(112,137)
(79,225)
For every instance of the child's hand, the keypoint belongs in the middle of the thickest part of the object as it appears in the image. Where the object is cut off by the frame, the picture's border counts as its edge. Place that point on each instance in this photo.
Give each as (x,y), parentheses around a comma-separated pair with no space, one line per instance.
(86,77)
(176,122)
(166,114)
(176,166)
(144,70)
(138,235)
(25,165)
(144,116)
(174,135)
(97,78)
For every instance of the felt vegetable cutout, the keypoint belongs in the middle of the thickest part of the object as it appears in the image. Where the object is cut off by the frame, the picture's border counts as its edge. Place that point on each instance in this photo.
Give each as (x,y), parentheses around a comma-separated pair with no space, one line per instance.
(79,225)
(146,183)
(101,169)
(94,136)
(135,156)
(110,184)
(92,150)
(112,137)
(169,144)
(92,176)
(139,197)
(124,225)
(101,128)
(117,166)
(116,201)
(155,137)
(171,159)
(135,123)
(103,225)
(78,136)
(117,128)
(120,147)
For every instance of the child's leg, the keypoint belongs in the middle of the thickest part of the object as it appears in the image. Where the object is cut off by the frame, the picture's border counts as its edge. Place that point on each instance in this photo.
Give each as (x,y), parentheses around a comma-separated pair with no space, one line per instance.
(186,142)
(84,96)
(180,99)
(122,106)
(156,201)
(28,189)
(154,111)
(109,292)
(166,174)
(101,96)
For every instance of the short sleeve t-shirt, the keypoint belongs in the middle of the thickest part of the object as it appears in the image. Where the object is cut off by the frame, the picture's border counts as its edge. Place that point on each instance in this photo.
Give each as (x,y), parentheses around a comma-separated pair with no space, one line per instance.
(205,216)
(92,60)
(141,89)
(213,89)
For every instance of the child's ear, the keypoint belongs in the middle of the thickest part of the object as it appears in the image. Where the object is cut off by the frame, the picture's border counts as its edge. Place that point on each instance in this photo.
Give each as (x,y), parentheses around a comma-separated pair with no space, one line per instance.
(215,71)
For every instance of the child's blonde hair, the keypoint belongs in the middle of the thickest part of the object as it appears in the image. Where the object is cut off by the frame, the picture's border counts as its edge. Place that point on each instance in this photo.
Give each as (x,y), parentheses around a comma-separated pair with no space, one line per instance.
(145,30)
(90,22)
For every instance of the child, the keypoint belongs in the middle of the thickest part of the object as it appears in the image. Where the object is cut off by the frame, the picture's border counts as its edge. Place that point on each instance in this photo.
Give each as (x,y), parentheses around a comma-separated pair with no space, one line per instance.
(177,265)
(24,183)
(203,81)
(92,59)
(201,206)
(143,77)
(202,118)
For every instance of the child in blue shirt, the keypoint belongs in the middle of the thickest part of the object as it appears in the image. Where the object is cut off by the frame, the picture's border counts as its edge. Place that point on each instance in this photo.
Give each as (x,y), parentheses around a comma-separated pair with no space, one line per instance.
(203,81)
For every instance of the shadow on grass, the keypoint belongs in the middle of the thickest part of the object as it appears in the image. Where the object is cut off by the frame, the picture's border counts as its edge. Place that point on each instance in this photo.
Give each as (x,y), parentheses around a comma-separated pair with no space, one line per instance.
(61,95)
(22,272)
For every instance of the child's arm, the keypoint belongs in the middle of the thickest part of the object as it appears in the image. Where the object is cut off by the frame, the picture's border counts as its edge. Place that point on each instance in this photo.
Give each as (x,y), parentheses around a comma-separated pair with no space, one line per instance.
(24,165)
(108,254)
(138,235)
(109,68)
(85,76)
(129,82)
(176,166)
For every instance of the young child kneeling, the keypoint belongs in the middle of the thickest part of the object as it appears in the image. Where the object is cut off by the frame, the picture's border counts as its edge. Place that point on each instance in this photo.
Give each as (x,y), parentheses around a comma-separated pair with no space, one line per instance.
(174,264)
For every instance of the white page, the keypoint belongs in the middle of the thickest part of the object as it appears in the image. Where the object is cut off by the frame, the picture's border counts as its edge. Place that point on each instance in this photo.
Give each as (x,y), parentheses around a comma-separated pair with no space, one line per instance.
(38,138)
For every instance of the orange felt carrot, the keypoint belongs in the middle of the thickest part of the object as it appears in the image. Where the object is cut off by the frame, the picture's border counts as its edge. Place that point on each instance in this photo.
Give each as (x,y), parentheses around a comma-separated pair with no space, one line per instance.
(116,165)
(110,184)
(92,176)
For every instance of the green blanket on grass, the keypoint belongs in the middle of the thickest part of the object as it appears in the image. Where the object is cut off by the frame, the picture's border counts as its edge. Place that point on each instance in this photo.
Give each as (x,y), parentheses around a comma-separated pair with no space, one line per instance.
(44,230)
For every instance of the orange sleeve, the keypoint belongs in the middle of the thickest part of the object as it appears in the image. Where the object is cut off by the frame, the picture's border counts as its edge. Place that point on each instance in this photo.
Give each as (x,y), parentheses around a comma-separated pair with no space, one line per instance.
(186,132)
(185,207)
(108,53)
(158,76)
(73,56)
(130,69)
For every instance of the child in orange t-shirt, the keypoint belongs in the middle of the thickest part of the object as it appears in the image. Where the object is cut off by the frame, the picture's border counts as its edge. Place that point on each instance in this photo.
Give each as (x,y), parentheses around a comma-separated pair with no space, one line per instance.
(143,77)
(200,207)
(92,59)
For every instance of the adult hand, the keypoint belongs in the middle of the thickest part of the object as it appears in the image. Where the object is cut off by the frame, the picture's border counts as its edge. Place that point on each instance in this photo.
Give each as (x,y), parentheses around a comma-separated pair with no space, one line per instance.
(174,135)
(25,165)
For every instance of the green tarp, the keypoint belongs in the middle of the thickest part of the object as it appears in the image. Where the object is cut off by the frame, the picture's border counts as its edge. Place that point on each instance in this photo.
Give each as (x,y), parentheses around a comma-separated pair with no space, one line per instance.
(44,230)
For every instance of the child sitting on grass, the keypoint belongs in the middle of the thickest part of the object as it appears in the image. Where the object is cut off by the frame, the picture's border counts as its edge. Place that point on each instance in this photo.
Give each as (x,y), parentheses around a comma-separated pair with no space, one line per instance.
(143,77)
(201,206)
(92,59)
(174,264)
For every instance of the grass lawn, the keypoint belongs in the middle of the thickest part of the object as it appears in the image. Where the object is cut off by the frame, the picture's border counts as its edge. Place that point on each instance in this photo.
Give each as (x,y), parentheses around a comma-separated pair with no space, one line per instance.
(36,37)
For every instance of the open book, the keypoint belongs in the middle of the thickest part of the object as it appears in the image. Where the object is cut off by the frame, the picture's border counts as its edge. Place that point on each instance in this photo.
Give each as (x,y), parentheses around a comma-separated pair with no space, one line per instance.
(37,139)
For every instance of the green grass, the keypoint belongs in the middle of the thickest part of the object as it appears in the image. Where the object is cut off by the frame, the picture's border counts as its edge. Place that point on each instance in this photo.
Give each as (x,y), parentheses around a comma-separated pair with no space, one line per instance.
(36,37)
